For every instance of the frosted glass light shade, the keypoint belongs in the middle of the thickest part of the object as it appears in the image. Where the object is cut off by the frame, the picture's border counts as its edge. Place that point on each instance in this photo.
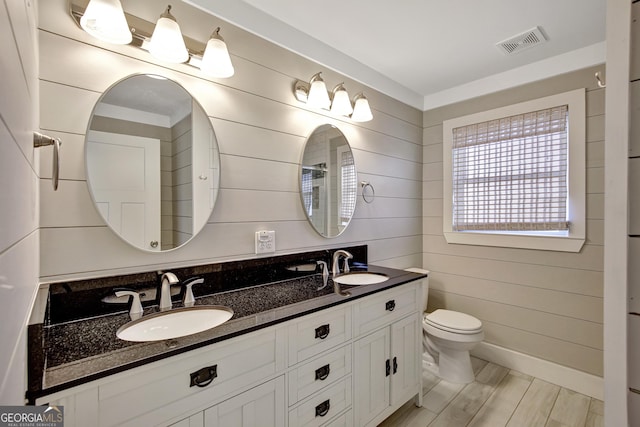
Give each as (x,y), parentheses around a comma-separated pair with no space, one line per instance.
(361,109)
(166,42)
(318,96)
(105,20)
(216,61)
(341,104)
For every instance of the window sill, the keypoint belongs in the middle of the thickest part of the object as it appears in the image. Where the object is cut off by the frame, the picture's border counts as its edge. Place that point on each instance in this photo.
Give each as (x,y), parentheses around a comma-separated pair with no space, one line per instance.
(546,243)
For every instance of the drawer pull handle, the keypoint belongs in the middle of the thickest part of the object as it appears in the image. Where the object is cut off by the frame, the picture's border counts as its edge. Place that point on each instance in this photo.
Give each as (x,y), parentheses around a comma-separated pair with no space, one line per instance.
(390,305)
(323,372)
(322,331)
(395,365)
(388,367)
(204,376)
(323,408)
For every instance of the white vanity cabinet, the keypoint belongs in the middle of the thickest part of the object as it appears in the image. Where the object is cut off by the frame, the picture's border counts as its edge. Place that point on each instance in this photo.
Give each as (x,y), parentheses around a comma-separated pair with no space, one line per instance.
(327,368)
(387,361)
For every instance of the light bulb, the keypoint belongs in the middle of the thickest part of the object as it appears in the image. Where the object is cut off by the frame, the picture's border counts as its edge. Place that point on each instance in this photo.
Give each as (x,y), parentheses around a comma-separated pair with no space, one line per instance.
(361,109)
(216,61)
(318,96)
(105,20)
(341,104)
(167,43)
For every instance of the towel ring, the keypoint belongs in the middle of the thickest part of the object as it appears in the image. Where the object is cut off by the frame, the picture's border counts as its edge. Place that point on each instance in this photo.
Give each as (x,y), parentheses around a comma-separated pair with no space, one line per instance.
(40,140)
(368,192)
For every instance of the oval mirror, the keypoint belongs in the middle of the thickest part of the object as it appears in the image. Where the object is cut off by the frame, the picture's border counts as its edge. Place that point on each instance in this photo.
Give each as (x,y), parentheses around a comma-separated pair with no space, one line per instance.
(152,162)
(328,181)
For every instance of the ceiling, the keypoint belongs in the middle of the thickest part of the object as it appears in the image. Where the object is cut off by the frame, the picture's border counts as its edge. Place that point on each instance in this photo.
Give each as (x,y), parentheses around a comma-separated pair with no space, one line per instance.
(428,53)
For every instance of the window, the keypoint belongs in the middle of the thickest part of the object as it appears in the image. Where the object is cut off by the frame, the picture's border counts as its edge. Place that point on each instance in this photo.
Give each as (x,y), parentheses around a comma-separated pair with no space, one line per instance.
(515,176)
(347,185)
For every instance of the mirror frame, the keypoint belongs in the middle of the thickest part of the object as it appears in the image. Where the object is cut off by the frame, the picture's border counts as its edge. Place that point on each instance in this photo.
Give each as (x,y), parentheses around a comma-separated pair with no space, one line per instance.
(327,235)
(215,167)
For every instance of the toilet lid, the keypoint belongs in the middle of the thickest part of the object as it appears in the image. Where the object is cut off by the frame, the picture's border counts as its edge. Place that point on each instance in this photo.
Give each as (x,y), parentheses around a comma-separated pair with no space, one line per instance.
(453,321)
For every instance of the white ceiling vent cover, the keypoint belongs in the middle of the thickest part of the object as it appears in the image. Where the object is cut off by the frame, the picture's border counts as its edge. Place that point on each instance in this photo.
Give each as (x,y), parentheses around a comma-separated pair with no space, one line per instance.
(523,41)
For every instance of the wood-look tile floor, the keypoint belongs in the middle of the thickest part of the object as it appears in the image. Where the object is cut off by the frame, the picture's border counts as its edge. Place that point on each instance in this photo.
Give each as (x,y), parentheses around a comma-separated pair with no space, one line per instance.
(498,397)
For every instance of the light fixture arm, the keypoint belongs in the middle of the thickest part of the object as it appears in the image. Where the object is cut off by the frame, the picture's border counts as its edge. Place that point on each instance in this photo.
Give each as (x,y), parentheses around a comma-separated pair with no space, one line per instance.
(339,86)
(316,77)
(167,14)
(216,34)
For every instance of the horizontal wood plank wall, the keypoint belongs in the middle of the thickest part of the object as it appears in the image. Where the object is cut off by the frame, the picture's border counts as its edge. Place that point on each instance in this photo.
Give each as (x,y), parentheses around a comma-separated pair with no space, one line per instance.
(19,195)
(542,303)
(261,130)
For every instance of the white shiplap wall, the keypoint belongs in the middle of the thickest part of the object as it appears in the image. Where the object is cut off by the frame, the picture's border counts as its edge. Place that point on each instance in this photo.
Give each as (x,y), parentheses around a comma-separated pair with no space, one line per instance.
(545,304)
(19,195)
(261,130)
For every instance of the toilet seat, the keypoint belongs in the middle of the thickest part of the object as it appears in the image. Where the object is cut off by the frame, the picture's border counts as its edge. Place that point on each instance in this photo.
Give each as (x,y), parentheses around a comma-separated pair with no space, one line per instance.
(454,322)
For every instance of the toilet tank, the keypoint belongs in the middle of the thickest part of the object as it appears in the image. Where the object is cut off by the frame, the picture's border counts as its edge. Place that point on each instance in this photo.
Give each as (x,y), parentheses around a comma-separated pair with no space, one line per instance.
(425,285)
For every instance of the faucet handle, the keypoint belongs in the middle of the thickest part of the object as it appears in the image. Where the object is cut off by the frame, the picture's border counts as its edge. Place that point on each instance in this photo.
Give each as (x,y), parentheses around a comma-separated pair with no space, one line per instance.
(135,312)
(325,274)
(189,299)
(346,263)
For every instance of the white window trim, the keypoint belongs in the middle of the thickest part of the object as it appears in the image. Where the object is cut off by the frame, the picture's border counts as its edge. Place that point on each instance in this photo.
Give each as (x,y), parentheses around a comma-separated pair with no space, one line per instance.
(572,242)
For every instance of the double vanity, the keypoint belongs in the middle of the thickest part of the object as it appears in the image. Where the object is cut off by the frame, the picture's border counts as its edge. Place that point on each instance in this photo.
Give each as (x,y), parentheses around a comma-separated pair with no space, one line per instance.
(297,350)
(319,338)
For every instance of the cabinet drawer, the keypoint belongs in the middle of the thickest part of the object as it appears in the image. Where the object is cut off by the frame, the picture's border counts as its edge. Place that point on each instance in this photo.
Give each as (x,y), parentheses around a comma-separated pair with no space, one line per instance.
(323,406)
(384,308)
(318,373)
(316,333)
(162,390)
(344,420)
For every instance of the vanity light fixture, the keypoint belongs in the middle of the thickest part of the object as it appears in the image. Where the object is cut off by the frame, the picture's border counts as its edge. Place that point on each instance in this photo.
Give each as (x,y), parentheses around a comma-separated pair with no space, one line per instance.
(341,104)
(106,20)
(166,42)
(361,109)
(315,95)
(216,61)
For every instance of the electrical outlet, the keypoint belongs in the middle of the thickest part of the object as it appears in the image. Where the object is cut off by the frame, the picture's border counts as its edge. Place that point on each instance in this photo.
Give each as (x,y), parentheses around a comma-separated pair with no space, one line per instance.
(265,242)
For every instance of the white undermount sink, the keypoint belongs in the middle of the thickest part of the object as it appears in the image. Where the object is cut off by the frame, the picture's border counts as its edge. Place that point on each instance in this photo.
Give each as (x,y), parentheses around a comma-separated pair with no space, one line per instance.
(174,323)
(360,278)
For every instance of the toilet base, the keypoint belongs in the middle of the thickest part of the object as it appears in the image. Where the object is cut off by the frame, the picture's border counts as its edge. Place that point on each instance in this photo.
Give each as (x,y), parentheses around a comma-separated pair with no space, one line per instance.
(455,366)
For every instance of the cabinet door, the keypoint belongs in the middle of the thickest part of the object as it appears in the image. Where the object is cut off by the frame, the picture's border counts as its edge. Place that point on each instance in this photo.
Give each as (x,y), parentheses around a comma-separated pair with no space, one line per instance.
(406,342)
(262,406)
(372,375)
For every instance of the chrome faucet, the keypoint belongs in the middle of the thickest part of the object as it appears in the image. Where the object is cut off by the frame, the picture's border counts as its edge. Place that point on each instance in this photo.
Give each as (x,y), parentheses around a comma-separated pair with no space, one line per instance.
(335,270)
(335,266)
(166,281)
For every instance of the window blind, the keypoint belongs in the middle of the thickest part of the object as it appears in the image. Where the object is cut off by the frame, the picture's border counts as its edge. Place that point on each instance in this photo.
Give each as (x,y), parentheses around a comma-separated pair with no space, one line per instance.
(347,186)
(510,174)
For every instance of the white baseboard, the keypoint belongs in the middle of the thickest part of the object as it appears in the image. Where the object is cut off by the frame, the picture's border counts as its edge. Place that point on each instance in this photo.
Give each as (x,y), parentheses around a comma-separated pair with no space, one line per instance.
(573,379)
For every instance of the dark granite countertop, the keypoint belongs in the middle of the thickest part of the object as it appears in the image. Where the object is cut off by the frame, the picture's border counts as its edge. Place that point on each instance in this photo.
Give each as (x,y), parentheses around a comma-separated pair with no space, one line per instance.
(79,351)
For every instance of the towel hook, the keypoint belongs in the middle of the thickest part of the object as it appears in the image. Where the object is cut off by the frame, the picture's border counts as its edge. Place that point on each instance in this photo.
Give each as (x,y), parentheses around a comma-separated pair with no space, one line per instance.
(601,84)
(40,140)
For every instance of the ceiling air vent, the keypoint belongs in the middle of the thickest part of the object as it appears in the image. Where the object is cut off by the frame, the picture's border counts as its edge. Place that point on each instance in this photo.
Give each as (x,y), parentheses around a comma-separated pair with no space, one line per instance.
(526,40)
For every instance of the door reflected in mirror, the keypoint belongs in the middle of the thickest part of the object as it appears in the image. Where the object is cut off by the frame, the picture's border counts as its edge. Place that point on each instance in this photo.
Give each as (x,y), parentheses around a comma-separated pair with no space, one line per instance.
(152,162)
(328,181)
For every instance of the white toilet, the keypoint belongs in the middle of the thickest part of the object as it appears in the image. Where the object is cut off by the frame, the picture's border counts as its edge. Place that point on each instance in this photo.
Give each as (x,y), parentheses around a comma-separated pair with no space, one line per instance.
(448,337)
